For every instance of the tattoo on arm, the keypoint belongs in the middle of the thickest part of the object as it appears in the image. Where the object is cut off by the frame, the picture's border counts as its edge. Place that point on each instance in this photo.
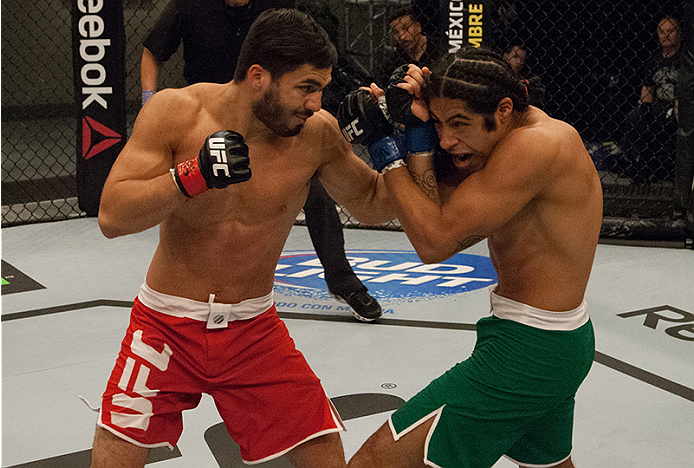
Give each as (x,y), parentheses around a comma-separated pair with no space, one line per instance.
(427,184)
(469,242)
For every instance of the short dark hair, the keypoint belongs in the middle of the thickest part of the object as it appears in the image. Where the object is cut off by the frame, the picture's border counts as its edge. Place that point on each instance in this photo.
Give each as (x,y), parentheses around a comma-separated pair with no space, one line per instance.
(512,45)
(282,40)
(401,12)
(481,78)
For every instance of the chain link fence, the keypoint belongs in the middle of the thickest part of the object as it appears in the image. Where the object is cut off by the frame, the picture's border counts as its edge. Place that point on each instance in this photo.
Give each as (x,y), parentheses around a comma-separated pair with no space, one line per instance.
(590,57)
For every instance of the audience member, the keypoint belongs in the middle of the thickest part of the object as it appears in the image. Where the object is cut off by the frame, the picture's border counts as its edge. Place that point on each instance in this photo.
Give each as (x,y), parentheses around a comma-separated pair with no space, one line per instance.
(410,45)
(684,159)
(516,55)
(212,32)
(649,133)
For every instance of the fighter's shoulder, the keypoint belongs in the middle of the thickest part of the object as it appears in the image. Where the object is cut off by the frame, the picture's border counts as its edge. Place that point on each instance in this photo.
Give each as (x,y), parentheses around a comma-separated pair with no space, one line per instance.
(175,106)
(323,126)
(323,119)
(544,135)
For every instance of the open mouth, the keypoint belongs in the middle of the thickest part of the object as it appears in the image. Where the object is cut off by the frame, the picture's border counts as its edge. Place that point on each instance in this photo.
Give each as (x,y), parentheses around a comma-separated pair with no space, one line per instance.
(461,160)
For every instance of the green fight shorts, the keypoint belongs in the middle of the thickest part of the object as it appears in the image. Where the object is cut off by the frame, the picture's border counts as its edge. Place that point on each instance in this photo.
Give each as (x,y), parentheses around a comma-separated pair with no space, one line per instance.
(513,396)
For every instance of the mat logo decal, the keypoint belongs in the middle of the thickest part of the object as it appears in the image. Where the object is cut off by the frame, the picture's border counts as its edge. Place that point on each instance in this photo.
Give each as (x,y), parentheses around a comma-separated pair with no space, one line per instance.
(388,274)
(14,281)
(90,126)
(652,317)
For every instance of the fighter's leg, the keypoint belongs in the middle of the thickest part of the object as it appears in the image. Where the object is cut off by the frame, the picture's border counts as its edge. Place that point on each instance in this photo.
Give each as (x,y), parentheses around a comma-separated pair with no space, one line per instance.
(381,450)
(110,451)
(322,452)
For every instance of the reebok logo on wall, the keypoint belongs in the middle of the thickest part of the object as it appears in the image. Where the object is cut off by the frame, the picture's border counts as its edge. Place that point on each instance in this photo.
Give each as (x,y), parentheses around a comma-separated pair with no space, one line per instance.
(96,137)
(388,274)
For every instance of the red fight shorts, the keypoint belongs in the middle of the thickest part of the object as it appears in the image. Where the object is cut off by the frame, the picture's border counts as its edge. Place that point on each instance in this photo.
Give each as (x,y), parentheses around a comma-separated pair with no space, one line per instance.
(265,391)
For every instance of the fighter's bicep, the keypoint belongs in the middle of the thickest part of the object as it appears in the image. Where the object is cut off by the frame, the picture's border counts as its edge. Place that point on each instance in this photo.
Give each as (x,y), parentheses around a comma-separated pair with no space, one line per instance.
(148,152)
(344,175)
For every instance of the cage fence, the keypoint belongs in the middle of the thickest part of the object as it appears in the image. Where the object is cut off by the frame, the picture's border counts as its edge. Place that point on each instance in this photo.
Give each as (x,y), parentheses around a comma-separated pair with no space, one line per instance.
(588,60)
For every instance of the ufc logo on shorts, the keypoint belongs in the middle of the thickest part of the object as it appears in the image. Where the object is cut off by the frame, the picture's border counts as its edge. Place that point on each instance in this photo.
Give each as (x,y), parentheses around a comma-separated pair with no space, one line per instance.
(218,151)
(140,406)
(351,131)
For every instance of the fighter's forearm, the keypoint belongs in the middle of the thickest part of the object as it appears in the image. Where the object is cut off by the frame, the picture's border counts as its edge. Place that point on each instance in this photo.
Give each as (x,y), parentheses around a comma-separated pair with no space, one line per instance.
(149,71)
(421,218)
(376,207)
(421,169)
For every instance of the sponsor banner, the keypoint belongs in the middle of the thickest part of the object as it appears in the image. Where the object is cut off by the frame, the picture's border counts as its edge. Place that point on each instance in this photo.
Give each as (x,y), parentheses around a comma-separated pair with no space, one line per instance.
(465,24)
(98,49)
(389,275)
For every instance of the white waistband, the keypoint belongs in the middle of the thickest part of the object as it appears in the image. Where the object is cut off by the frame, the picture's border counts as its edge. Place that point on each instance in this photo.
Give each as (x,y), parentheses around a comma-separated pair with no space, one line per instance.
(508,309)
(202,311)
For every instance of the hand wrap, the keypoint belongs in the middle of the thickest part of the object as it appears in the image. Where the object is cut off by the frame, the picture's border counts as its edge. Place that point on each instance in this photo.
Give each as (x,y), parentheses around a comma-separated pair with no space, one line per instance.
(420,137)
(385,151)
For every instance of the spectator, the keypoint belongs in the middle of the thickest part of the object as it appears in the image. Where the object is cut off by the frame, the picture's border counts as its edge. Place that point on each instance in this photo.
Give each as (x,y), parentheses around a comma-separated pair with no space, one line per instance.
(684,159)
(212,32)
(516,55)
(649,134)
(411,45)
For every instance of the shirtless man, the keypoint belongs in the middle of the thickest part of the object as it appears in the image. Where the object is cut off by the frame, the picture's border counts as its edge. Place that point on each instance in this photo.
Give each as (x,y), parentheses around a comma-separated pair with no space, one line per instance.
(204,321)
(523,181)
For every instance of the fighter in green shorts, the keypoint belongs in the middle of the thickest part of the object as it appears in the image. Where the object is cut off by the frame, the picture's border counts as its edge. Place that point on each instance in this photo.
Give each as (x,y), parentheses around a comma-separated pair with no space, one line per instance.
(482,163)
(514,396)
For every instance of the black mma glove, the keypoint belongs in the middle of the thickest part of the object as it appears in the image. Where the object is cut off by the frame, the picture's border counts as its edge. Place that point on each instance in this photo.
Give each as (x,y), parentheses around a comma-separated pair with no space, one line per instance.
(420,137)
(363,121)
(223,160)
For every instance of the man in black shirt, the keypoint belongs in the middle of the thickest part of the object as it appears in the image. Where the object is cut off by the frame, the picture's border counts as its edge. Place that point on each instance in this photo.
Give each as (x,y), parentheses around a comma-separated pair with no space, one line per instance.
(412,45)
(649,138)
(212,32)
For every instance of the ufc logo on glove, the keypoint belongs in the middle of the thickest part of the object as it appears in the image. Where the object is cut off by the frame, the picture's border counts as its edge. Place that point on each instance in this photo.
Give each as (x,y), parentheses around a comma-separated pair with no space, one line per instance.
(218,151)
(351,131)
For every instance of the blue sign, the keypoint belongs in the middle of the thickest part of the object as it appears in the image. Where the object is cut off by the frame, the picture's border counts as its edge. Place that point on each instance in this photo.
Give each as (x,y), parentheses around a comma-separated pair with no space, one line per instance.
(388,274)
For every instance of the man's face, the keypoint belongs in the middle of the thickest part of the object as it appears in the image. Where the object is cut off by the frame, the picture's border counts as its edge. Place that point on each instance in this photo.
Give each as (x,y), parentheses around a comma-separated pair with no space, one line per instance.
(516,58)
(290,100)
(406,32)
(669,33)
(462,134)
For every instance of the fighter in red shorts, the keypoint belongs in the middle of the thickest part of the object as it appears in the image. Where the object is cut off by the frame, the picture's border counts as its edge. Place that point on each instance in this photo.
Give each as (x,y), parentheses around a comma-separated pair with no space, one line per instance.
(204,322)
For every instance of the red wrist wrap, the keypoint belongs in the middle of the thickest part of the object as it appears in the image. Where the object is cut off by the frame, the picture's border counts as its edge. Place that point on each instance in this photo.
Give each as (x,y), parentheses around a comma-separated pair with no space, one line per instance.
(189,178)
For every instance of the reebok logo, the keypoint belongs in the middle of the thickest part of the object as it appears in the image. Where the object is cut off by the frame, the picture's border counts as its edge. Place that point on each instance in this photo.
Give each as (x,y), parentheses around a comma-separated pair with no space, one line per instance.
(91,129)
(92,51)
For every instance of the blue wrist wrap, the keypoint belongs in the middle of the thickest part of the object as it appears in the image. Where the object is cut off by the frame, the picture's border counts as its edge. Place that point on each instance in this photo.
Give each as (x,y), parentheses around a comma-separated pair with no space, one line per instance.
(384,152)
(421,138)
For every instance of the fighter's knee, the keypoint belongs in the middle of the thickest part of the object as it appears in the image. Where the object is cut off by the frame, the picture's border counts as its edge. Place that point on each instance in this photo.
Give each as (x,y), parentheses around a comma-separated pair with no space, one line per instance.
(110,451)
(366,457)
(371,453)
